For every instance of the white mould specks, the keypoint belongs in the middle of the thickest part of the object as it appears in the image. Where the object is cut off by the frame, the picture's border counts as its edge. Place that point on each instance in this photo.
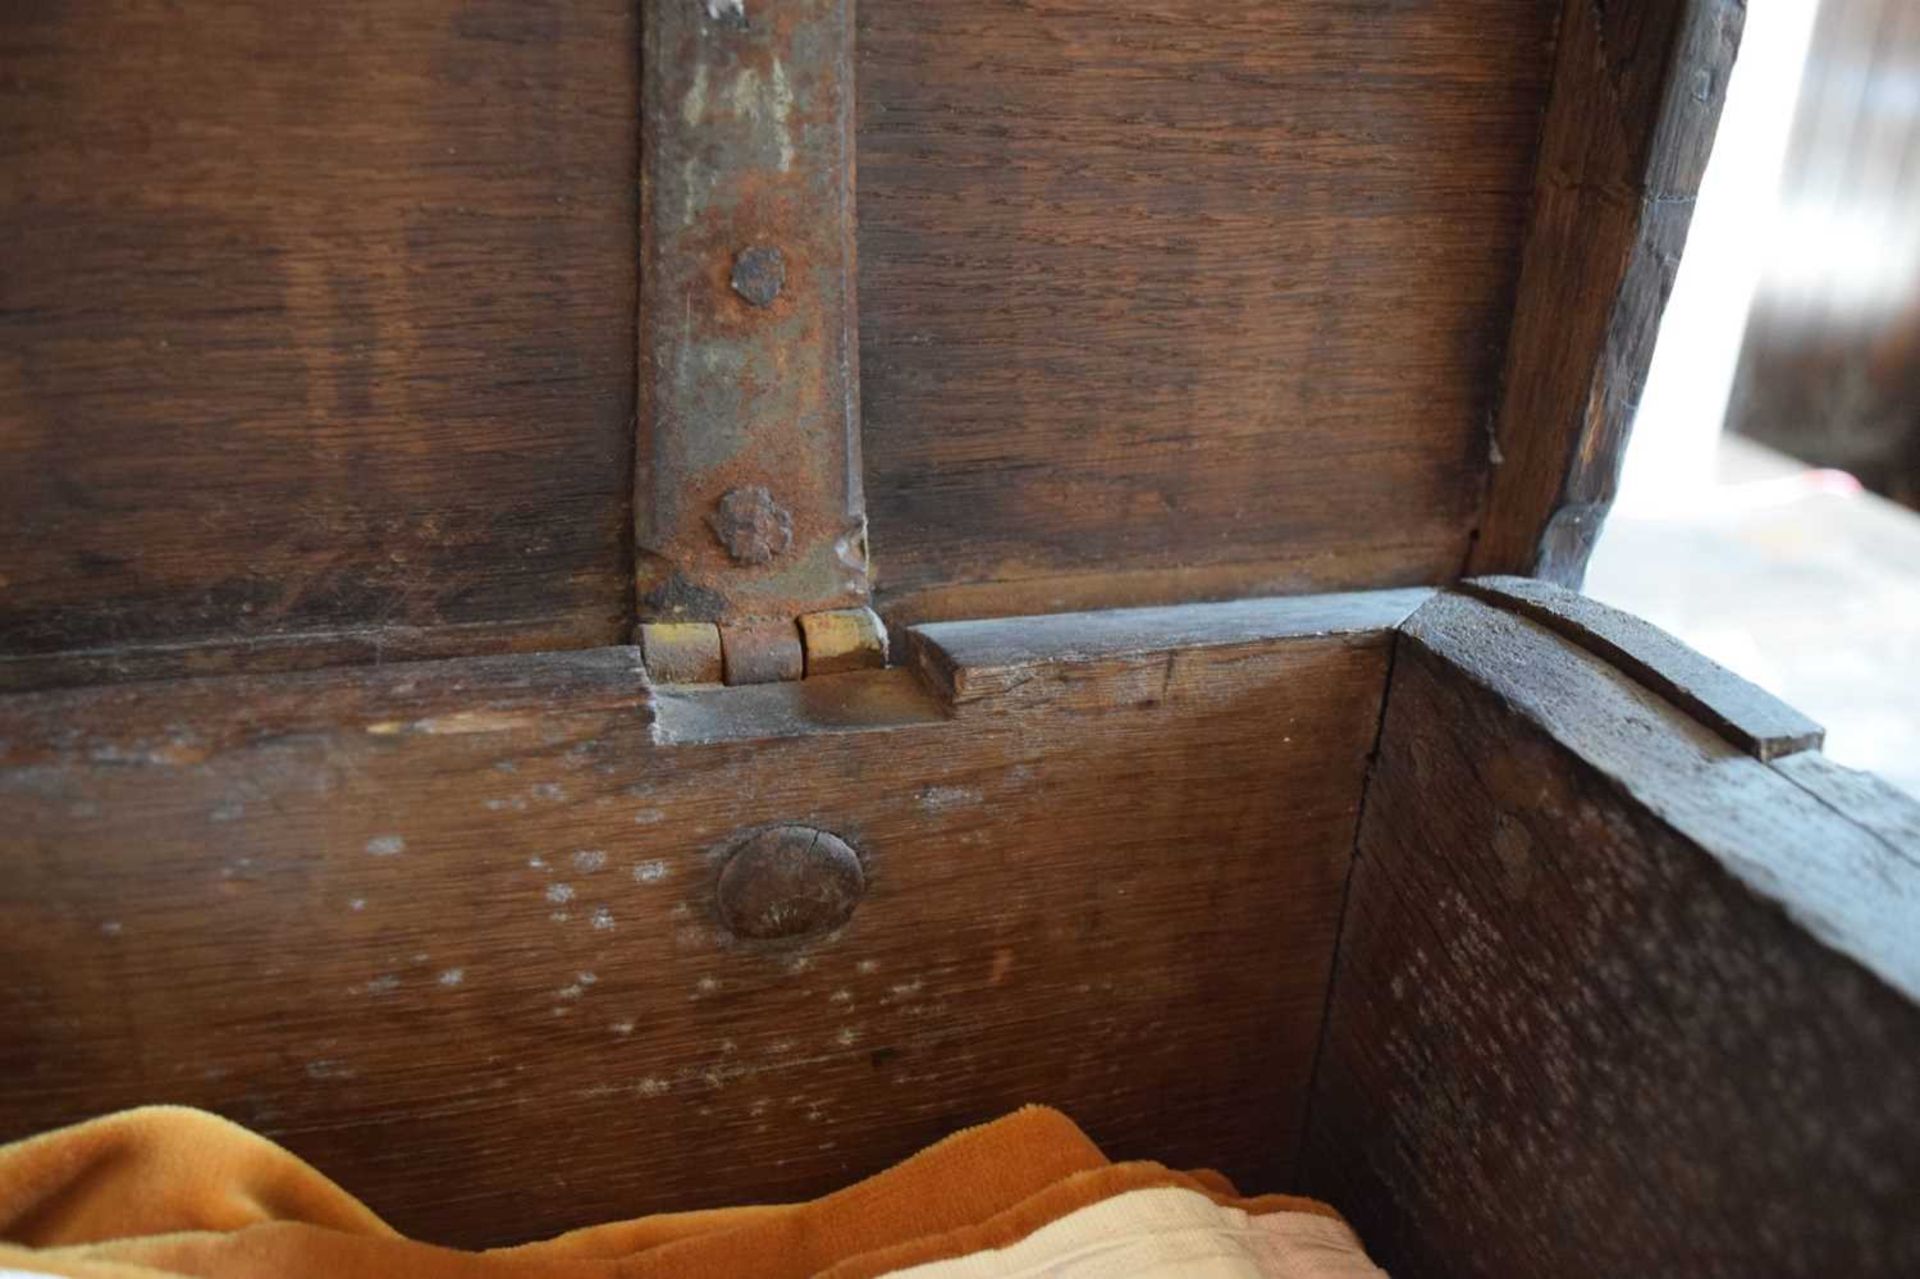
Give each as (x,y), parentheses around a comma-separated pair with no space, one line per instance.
(589,861)
(601,919)
(936,799)
(559,893)
(386,845)
(453,976)
(651,872)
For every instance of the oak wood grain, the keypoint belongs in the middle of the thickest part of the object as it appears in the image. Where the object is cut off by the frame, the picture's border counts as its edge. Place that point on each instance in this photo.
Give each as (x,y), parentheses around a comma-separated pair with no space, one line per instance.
(316,332)
(447,930)
(1612,997)
(329,357)
(1184,286)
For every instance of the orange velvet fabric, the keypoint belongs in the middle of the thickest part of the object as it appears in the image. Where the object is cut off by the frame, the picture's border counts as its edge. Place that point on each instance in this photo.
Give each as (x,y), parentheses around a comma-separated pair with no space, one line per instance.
(166,1191)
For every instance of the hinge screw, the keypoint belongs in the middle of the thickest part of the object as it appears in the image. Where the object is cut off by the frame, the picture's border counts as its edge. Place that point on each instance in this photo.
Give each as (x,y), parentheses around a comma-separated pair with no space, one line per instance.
(759,273)
(751,525)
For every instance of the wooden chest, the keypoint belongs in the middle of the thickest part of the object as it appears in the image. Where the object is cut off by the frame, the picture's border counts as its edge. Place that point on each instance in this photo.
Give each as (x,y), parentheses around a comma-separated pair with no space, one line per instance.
(452,448)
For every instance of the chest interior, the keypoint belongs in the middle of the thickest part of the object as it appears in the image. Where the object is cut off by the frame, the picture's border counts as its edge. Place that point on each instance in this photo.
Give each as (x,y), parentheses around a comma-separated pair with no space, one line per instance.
(447,437)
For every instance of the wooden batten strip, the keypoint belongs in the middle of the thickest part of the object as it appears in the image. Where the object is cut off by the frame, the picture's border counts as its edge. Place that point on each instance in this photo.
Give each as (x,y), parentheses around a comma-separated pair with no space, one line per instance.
(977,659)
(1742,712)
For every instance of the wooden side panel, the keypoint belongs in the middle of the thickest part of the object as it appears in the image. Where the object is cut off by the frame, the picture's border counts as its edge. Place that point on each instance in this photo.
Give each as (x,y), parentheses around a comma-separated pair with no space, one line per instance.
(1612,998)
(1637,92)
(1184,300)
(448,931)
(316,331)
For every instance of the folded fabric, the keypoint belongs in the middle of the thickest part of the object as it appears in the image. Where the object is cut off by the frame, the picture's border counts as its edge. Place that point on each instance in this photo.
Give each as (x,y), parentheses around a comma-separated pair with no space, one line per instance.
(167,1191)
(1169,1233)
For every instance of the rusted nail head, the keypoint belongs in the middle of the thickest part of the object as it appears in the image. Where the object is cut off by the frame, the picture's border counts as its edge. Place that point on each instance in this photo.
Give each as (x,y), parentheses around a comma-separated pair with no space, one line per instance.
(759,273)
(751,525)
(789,882)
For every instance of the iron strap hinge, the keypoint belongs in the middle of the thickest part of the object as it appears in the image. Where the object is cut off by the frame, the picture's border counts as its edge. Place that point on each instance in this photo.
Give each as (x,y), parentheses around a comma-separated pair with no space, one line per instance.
(749,520)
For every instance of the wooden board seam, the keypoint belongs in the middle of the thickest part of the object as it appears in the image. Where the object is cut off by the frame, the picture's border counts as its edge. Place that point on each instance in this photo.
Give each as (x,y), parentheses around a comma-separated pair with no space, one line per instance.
(1909,852)
(1346,897)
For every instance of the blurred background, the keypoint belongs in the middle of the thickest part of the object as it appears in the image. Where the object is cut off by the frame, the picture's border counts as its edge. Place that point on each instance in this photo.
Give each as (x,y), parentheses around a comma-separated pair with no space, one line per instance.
(1767,509)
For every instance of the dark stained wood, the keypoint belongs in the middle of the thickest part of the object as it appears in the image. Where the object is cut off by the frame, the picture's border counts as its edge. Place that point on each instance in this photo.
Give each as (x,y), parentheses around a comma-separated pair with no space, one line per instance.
(1637,93)
(449,930)
(1184,295)
(316,332)
(1612,997)
(1748,716)
(320,336)
(292,651)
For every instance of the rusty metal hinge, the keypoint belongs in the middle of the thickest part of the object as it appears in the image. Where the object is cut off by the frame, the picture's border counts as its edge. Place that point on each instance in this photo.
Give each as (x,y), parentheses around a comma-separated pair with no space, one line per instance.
(823,643)
(750,523)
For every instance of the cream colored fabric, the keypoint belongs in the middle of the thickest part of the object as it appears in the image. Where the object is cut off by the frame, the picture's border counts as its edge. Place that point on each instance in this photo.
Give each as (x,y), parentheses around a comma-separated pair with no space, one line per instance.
(1168,1233)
